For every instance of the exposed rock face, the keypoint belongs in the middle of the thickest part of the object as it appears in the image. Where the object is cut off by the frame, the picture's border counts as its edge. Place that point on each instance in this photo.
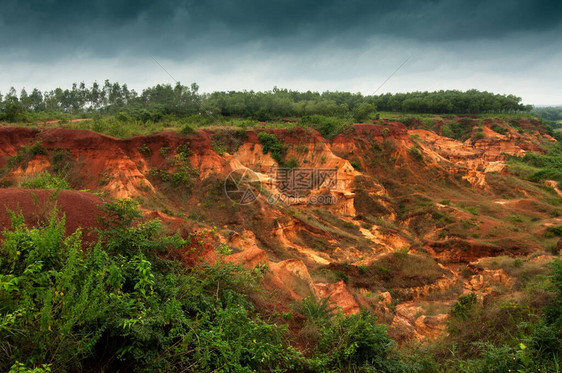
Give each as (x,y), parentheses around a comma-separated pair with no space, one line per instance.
(294,242)
(385,297)
(421,291)
(483,281)
(476,157)
(431,326)
(340,295)
(411,323)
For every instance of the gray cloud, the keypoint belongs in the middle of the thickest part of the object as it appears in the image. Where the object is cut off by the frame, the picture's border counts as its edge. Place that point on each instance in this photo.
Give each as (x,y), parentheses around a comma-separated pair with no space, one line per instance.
(179,29)
(506,47)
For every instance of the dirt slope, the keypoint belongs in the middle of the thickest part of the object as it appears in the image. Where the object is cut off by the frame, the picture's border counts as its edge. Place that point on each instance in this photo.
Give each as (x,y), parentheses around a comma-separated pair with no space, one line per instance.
(397,225)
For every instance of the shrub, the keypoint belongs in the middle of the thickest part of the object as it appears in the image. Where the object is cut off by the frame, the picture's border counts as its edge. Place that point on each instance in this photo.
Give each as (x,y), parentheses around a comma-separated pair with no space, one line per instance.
(271,144)
(122,117)
(457,130)
(446,131)
(463,306)
(376,146)
(314,309)
(228,140)
(510,333)
(403,270)
(61,162)
(291,163)
(499,129)
(415,153)
(473,210)
(187,129)
(184,152)
(554,231)
(45,181)
(514,123)
(119,307)
(26,154)
(164,151)
(328,127)
(352,343)
(363,111)
(478,136)
(144,149)
(356,164)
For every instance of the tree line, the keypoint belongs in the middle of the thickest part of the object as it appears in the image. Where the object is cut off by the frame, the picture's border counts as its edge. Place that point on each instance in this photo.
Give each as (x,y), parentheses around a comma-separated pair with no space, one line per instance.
(552,114)
(179,100)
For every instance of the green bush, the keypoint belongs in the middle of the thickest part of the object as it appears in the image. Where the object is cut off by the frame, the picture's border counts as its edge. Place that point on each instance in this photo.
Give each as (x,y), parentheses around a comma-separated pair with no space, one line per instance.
(499,129)
(355,343)
(291,163)
(225,140)
(328,127)
(415,153)
(356,164)
(554,231)
(457,130)
(26,154)
(539,167)
(187,129)
(45,180)
(314,309)
(463,306)
(363,111)
(120,306)
(478,136)
(508,333)
(271,144)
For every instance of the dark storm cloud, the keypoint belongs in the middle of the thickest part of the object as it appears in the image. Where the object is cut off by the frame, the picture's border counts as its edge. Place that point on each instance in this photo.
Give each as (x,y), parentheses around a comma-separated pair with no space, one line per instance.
(179,29)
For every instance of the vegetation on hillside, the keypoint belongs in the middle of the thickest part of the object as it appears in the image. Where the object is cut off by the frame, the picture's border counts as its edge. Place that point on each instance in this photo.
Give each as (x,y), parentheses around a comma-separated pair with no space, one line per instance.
(539,167)
(123,304)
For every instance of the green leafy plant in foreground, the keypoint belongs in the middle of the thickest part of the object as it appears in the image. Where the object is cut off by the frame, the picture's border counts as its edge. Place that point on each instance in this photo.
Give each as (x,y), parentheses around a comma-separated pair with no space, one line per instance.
(119,306)
(45,180)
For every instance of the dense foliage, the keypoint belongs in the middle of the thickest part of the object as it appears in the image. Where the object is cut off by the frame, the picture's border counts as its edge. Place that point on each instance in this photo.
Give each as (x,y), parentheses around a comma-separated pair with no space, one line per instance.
(179,101)
(521,333)
(550,113)
(117,305)
(443,102)
(539,167)
(120,305)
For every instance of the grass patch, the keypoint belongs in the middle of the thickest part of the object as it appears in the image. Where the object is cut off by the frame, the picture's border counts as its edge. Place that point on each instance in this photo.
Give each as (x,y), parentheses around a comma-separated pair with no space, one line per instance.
(403,270)
(45,180)
(227,140)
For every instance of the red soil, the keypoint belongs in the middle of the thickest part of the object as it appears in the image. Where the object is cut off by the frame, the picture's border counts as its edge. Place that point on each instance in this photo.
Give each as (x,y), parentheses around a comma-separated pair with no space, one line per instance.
(81,209)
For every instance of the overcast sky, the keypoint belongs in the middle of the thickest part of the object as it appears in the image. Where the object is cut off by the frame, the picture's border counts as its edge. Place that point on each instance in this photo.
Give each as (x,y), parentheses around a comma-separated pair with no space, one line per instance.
(503,46)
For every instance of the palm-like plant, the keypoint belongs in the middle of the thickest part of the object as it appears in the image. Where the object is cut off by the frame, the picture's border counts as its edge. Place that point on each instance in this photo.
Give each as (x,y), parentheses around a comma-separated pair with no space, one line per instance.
(316,309)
